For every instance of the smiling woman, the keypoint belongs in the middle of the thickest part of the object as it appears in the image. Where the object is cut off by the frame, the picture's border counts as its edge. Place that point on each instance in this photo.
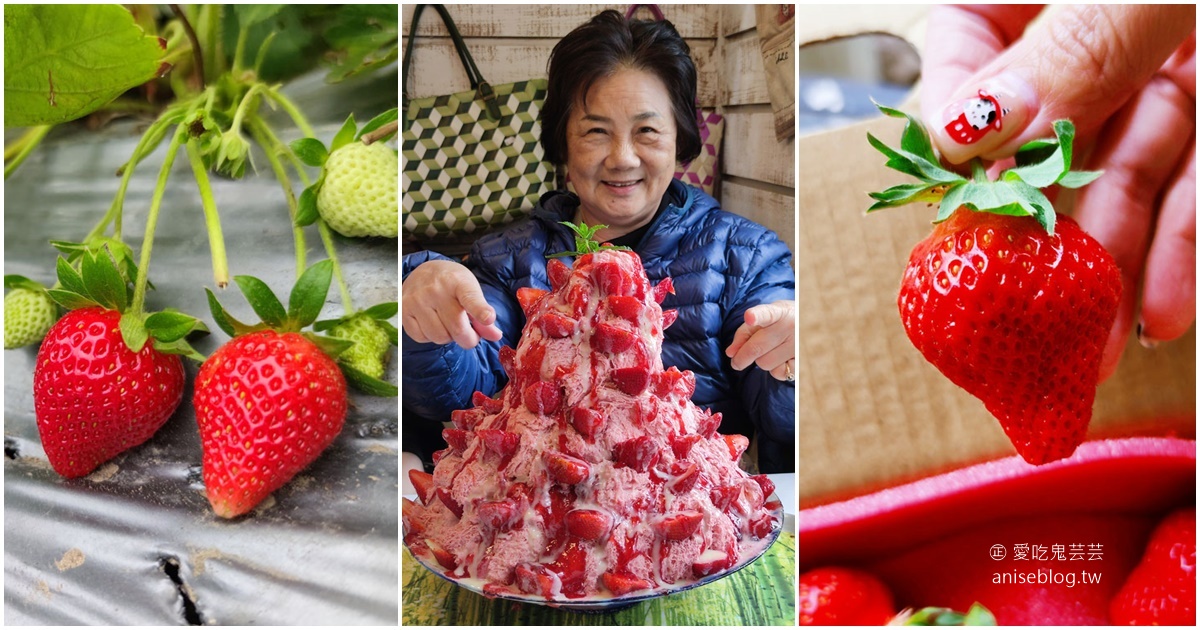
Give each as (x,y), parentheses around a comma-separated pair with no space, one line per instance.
(619,113)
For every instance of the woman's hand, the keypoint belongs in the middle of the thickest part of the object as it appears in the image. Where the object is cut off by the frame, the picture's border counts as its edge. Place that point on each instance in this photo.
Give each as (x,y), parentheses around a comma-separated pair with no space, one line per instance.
(443,302)
(767,338)
(1126,75)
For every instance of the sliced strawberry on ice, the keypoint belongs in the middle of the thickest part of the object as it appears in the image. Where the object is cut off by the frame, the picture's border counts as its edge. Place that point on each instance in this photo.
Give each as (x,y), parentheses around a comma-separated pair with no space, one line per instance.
(588,524)
(723,496)
(508,359)
(542,398)
(762,526)
(423,482)
(454,506)
(467,419)
(536,579)
(557,326)
(586,421)
(498,515)
(751,498)
(737,445)
(669,316)
(528,297)
(438,455)
(671,379)
(443,557)
(685,476)
(485,402)
(530,369)
(499,442)
(408,517)
(640,453)
(611,339)
(579,296)
(662,289)
(626,307)
(682,445)
(708,423)
(766,484)
(631,380)
(567,469)
(678,526)
(456,438)
(623,583)
(712,561)
(612,279)
(571,567)
(558,273)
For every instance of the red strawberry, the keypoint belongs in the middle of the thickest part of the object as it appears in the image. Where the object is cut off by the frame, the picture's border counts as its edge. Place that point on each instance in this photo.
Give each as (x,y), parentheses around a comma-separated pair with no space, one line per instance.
(408,518)
(737,445)
(579,296)
(835,596)
(631,380)
(542,398)
(724,496)
(708,423)
(662,289)
(767,485)
(669,379)
(423,482)
(1161,590)
(456,438)
(558,273)
(668,317)
(588,524)
(610,339)
(467,419)
(499,442)
(489,405)
(508,359)
(556,325)
(640,453)
(438,455)
(443,557)
(567,469)
(1016,310)
(612,279)
(623,583)
(686,474)
(498,515)
(536,579)
(682,445)
(586,421)
(528,298)
(762,526)
(678,526)
(713,560)
(626,307)
(267,404)
(444,495)
(93,396)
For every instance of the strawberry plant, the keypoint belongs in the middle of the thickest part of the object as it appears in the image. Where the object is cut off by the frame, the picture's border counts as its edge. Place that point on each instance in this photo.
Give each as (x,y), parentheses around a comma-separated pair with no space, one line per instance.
(1009,300)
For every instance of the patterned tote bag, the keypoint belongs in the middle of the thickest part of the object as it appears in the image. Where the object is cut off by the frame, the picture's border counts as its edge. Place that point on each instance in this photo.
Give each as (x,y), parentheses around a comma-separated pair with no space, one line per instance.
(472,160)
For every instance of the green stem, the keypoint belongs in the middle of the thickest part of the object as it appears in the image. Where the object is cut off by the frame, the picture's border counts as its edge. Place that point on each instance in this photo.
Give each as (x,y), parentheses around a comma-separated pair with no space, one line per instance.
(978,170)
(274,148)
(243,106)
(160,188)
(293,111)
(239,51)
(331,252)
(216,240)
(28,142)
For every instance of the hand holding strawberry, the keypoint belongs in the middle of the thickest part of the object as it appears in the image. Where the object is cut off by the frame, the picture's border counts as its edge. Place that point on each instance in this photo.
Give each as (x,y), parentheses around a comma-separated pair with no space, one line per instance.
(1008,303)
(270,401)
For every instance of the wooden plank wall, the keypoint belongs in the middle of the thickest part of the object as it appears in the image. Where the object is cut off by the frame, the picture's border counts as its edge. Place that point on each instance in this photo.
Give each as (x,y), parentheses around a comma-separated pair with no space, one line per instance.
(513,42)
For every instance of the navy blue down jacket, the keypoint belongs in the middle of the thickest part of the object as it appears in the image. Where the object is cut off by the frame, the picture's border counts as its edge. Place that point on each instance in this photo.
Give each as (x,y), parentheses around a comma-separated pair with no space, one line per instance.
(721,265)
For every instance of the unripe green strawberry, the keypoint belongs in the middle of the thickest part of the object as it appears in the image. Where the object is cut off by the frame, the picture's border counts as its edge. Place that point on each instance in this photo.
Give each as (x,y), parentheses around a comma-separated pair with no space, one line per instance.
(370,344)
(28,314)
(358,197)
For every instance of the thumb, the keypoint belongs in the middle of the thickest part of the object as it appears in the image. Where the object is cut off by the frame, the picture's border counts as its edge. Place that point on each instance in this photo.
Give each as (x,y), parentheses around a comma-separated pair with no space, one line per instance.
(1081,62)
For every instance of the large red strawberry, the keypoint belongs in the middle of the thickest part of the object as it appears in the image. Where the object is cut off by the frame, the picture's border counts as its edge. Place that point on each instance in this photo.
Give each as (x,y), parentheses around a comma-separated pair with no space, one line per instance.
(838,596)
(1010,304)
(1161,590)
(108,376)
(268,402)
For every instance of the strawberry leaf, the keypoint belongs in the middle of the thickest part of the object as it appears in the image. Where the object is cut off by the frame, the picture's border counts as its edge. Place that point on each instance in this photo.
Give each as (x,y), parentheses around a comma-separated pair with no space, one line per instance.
(307,213)
(69,299)
(69,278)
(1078,179)
(344,136)
(310,151)
(331,346)
(1014,198)
(375,123)
(905,194)
(171,325)
(13,281)
(227,322)
(387,310)
(308,295)
(368,384)
(914,139)
(180,347)
(133,331)
(103,282)
(393,334)
(1043,163)
(268,307)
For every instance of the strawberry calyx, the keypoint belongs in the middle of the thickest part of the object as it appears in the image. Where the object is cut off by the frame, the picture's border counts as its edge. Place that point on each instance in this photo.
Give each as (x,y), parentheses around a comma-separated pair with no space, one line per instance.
(1016,191)
(977,615)
(355,374)
(584,243)
(105,280)
(304,305)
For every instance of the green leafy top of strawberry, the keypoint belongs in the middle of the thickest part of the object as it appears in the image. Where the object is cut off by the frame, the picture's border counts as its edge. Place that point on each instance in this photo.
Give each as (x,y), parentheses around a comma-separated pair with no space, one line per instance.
(99,282)
(305,302)
(379,314)
(584,243)
(1015,192)
(976,616)
(313,152)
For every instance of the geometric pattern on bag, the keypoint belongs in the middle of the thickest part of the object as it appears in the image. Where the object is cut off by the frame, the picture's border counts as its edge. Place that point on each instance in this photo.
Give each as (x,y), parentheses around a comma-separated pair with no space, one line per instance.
(464,171)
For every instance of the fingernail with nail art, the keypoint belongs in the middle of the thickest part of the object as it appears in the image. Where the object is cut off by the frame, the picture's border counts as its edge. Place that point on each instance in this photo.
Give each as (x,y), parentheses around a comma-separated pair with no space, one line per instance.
(983,118)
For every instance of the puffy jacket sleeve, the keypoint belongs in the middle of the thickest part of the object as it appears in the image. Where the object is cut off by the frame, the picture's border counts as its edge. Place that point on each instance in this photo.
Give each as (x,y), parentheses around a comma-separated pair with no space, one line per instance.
(438,379)
(766,276)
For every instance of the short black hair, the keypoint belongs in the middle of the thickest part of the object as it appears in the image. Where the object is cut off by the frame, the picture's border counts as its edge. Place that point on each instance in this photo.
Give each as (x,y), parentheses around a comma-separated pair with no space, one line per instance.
(599,48)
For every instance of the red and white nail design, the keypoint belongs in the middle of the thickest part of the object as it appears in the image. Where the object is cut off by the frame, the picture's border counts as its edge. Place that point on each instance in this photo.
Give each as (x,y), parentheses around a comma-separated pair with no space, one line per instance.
(983,118)
(971,118)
